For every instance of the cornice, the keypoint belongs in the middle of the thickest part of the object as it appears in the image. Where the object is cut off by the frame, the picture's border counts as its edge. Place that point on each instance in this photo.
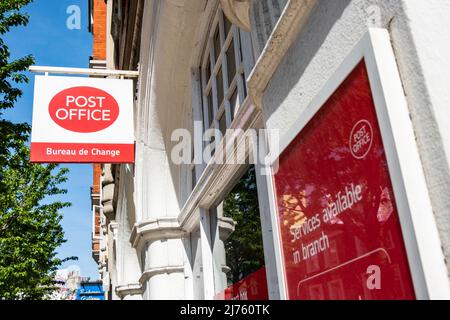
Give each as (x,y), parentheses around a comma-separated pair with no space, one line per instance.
(129,289)
(150,272)
(161,228)
(290,23)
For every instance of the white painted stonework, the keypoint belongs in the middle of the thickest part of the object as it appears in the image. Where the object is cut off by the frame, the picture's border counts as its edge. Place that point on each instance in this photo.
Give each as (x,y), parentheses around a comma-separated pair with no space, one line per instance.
(159,229)
(418,30)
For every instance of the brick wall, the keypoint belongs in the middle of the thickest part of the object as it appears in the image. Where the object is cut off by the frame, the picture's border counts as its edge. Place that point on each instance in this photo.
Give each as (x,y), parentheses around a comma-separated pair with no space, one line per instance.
(98,53)
(99,30)
(97,172)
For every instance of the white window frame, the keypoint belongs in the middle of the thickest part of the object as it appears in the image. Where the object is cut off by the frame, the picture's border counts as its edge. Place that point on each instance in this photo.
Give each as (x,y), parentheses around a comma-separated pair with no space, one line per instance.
(418,225)
(243,66)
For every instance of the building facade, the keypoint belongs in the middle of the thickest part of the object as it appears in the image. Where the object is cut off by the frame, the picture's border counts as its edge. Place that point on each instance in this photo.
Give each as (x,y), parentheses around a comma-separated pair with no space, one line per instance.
(97,26)
(165,228)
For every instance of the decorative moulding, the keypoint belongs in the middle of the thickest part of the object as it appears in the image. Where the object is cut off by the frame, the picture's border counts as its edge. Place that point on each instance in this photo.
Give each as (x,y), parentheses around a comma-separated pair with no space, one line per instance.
(130,289)
(150,272)
(226,227)
(217,175)
(162,228)
(290,23)
(238,12)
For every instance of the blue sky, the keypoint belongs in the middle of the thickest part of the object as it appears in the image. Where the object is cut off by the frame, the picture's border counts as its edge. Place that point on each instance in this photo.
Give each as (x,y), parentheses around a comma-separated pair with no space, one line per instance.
(53,44)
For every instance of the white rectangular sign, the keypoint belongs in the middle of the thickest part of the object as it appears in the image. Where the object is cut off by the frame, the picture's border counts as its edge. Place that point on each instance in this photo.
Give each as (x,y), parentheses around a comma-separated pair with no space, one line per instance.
(82,120)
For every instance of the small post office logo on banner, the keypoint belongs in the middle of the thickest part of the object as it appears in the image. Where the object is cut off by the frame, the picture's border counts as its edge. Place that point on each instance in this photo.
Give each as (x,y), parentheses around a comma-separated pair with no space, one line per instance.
(82,120)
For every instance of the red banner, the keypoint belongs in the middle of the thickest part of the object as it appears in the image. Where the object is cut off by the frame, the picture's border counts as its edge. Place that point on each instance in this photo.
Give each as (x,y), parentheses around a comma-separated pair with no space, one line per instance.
(341,235)
(81,152)
(253,287)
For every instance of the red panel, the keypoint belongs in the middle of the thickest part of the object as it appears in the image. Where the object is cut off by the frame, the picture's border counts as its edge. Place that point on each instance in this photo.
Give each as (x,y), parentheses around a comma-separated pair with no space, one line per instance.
(253,287)
(81,153)
(341,236)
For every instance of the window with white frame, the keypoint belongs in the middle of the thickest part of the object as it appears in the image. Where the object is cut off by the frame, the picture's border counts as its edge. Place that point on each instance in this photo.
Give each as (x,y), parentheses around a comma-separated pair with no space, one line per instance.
(226,62)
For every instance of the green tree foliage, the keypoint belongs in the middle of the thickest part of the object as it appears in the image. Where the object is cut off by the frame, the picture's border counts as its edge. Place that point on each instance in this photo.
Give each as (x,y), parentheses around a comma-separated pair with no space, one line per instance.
(30,230)
(244,249)
(10,71)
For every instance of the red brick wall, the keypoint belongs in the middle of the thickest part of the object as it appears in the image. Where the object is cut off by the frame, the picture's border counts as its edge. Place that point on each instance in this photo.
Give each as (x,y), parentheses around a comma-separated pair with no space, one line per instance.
(97,170)
(99,30)
(98,53)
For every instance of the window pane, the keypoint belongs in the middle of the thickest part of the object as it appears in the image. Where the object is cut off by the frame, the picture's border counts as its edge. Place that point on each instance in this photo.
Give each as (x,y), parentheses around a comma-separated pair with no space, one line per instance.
(193,178)
(219,88)
(245,243)
(240,46)
(210,110)
(223,124)
(231,63)
(245,85)
(227,24)
(207,72)
(233,103)
(217,46)
(205,122)
(212,142)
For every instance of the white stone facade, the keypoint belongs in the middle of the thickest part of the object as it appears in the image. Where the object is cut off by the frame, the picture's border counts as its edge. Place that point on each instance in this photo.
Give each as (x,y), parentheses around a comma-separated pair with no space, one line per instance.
(157,226)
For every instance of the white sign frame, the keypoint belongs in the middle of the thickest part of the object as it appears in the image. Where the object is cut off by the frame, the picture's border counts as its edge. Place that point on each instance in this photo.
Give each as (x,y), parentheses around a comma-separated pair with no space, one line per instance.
(420,234)
(119,133)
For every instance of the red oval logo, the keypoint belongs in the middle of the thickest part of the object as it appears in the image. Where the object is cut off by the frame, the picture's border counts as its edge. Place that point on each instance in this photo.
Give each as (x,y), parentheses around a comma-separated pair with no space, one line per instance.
(361,139)
(84,109)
